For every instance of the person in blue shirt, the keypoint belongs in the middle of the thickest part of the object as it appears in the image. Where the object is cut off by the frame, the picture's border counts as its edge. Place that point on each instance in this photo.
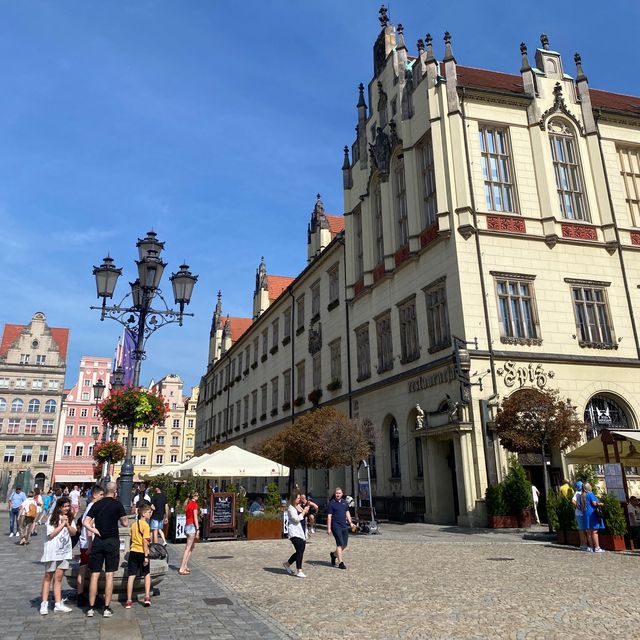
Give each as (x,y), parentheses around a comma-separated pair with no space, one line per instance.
(15,502)
(592,520)
(338,523)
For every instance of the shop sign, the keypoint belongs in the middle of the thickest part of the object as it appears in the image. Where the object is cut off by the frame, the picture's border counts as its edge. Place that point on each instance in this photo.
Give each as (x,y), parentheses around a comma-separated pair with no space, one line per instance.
(532,374)
(433,379)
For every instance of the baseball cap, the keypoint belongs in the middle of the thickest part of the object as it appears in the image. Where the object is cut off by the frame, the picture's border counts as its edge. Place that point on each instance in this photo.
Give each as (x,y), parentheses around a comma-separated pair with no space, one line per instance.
(579,484)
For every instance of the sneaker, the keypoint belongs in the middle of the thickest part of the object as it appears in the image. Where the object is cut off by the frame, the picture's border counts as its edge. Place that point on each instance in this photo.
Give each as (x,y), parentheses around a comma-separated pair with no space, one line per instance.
(107,613)
(147,602)
(44,608)
(128,604)
(589,550)
(333,559)
(583,547)
(60,607)
(11,535)
(35,533)
(287,568)
(342,566)
(598,550)
(300,575)
(90,612)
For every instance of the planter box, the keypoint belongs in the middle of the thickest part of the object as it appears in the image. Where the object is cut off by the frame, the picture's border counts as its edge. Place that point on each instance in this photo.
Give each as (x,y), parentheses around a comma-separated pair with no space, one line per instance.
(503,522)
(264,529)
(612,543)
(524,520)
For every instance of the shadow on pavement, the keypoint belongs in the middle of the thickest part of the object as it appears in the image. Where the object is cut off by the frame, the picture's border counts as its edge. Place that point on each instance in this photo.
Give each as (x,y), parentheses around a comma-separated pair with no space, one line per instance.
(278,571)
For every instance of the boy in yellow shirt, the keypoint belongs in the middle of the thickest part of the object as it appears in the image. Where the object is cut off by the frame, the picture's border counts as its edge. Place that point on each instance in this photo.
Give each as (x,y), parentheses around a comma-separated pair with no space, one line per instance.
(138,563)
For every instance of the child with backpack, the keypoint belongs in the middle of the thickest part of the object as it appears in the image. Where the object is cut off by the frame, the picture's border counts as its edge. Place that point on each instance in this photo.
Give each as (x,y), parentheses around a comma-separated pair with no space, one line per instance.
(139,563)
(26,518)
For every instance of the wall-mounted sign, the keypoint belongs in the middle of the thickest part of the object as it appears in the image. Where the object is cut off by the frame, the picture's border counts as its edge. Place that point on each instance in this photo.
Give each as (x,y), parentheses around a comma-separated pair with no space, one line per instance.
(533,374)
(433,379)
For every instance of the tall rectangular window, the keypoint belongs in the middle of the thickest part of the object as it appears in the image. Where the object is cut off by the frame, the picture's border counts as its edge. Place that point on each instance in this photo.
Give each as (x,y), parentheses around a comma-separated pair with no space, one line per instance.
(9,453)
(516,308)
(378,237)
(24,358)
(275,332)
(427,182)
(384,341)
(316,370)
(400,196)
(47,427)
(315,299)
(334,283)
(359,248)
(286,329)
(419,460)
(254,404)
(363,352)
(43,456)
(79,451)
(238,403)
(566,165)
(68,430)
(300,312)
(336,360)
(246,409)
(31,425)
(409,347)
(265,342)
(593,321)
(14,425)
(286,386)
(274,393)
(247,357)
(82,430)
(437,315)
(630,171)
(300,379)
(255,349)
(37,383)
(174,441)
(144,442)
(41,360)
(263,400)
(27,453)
(496,169)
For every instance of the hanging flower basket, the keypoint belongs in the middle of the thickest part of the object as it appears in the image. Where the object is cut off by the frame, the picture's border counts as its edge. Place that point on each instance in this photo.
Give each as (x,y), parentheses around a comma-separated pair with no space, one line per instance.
(136,408)
(112,451)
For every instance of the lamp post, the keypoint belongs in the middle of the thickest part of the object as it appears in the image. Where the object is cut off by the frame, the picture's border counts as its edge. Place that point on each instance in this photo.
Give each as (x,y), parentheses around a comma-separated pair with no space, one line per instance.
(140,317)
(98,392)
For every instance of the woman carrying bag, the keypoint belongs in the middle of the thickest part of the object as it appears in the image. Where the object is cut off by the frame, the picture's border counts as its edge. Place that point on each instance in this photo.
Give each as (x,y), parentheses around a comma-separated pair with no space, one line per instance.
(297,535)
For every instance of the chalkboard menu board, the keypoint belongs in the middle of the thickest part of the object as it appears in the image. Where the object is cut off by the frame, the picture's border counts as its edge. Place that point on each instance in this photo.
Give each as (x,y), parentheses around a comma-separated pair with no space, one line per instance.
(223,511)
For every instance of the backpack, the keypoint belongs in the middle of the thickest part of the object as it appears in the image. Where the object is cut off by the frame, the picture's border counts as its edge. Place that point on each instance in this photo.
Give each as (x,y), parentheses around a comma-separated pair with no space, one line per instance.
(32,511)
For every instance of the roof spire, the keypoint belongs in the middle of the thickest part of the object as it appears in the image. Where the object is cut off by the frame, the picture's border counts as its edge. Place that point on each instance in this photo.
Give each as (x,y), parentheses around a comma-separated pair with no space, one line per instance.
(400,37)
(448,51)
(318,209)
(420,46)
(580,76)
(383,17)
(346,164)
(525,60)
(544,41)
(361,102)
(429,41)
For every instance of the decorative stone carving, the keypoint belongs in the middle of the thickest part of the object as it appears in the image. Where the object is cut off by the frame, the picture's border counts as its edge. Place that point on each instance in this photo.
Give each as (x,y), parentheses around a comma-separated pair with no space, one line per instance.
(579,232)
(559,105)
(524,342)
(315,338)
(635,237)
(419,418)
(506,223)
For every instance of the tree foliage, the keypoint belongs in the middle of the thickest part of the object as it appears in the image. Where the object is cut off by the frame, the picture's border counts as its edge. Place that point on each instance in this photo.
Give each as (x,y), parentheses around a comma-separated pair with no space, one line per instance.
(530,419)
(320,439)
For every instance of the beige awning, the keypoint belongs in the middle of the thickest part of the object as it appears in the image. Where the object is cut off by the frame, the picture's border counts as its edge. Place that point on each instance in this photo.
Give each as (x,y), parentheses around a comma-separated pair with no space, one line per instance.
(628,441)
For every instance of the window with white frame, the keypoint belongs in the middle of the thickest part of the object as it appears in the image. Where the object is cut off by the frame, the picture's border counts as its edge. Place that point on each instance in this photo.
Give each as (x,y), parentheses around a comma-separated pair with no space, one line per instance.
(174,441)
(52,385)
(566,165)
(160,441)
(84,413)
(300,379)
(378,234)
(144,442)
(50,407)
(68,430)
(174,457)
(437,315)
(66,450)
(87,382)
(176,423)
(37,383)
(143,460)
(427,182)
(34,406)
(336,360)
(334,283)
(497,171)
(4,383)
(593,320)
(82,430)
(9,453)
(31,425)
(517,309)
(43,455)
(384,342)
(85,395)
(3,404)
(24,358)
(14,425)
(71,412)
(409,347)
(135,441)
(359,248)
(41,360)
(21,383)
(47,427)
(27,453)
(79,450)
(630,171)
(17,405)
(159,458)
(363,352)
(400,197)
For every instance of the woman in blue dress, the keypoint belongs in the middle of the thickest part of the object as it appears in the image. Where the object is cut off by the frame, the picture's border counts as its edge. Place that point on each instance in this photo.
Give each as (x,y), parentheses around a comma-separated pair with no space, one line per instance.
(592,521)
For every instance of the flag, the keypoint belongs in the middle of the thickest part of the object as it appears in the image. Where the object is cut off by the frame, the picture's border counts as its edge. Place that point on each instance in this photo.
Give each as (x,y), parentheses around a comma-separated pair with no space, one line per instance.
(128,357)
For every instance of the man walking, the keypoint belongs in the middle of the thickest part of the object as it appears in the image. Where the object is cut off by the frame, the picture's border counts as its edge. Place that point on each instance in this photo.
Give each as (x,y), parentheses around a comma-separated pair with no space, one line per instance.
(160,515)
(85,541)
(74,496)
(338,519)
(15,502)
(102,522)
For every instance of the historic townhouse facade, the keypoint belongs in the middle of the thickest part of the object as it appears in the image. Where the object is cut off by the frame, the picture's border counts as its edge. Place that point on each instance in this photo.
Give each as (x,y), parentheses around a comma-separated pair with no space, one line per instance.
(80,427)
(32,369)
(491,243)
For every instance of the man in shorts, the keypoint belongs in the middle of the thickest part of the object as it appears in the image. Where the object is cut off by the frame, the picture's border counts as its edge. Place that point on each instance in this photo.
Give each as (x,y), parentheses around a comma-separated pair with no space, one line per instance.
(338,521)
(160,515)
(103,522)
(74,496)
(84,542)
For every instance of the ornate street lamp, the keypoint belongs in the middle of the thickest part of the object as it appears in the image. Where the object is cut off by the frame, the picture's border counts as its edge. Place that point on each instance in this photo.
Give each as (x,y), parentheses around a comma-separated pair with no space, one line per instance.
(140,317)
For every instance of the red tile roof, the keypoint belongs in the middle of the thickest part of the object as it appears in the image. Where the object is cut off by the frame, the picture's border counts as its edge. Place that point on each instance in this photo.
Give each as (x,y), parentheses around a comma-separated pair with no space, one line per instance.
(238,327)
(12,333)
(614,101)
(277,284)
(336,224)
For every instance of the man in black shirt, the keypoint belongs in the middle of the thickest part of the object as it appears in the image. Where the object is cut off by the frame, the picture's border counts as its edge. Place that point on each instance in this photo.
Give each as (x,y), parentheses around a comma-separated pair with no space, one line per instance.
(103,521)
(160,515)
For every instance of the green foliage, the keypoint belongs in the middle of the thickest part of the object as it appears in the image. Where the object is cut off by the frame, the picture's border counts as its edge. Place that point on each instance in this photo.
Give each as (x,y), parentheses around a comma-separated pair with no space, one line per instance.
(241,495)
(586,473)
(168,485)
(517,489)
(112,451)
(496,504)
(552,510)
(133,407)
(566,514)
(614,520)
(272,501)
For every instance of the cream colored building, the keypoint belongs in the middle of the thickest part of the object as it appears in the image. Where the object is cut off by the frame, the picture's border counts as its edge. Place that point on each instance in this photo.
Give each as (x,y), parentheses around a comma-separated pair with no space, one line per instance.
(171,442)
(499,212)
(32,370)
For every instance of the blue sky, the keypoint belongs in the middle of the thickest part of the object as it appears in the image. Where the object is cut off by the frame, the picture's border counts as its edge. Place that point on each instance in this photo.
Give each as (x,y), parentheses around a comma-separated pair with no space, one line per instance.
(215,123)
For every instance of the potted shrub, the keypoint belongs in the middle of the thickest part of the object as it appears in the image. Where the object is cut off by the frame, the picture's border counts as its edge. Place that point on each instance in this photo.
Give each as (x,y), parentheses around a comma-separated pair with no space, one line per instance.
(552,510)
(314,396)
(517,493)
(497,508)
(612,537)
(567,526)
(286,405)
(268,524)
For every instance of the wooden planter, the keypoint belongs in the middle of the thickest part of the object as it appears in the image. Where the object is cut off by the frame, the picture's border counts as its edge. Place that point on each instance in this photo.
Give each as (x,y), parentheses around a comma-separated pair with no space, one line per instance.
(503,522)
(524,519)
(264,529)
(612,543)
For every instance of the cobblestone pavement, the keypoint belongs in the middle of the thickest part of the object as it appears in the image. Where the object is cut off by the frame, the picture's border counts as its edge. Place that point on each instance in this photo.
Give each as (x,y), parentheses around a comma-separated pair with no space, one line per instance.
(424,581)
(178,611)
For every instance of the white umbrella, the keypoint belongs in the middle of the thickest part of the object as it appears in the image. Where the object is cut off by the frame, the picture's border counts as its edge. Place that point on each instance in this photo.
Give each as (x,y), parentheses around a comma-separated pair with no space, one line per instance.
(234,462)
(164,469)
(177,471)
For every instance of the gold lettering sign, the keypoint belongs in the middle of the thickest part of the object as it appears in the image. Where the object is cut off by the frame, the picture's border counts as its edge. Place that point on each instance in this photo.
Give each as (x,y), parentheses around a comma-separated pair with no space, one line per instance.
(531,374)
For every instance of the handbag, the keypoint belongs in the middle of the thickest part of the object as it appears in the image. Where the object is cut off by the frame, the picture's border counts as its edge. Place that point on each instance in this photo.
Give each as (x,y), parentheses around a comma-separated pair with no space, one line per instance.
(599,513)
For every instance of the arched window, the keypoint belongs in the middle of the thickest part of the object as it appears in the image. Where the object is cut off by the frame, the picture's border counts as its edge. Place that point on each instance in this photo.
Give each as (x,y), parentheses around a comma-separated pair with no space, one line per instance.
(603,413)
(394,449)
(34,406)
(400,199)
(17,405)
(566,165)
(378,239)
(3,404)
(50,406)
